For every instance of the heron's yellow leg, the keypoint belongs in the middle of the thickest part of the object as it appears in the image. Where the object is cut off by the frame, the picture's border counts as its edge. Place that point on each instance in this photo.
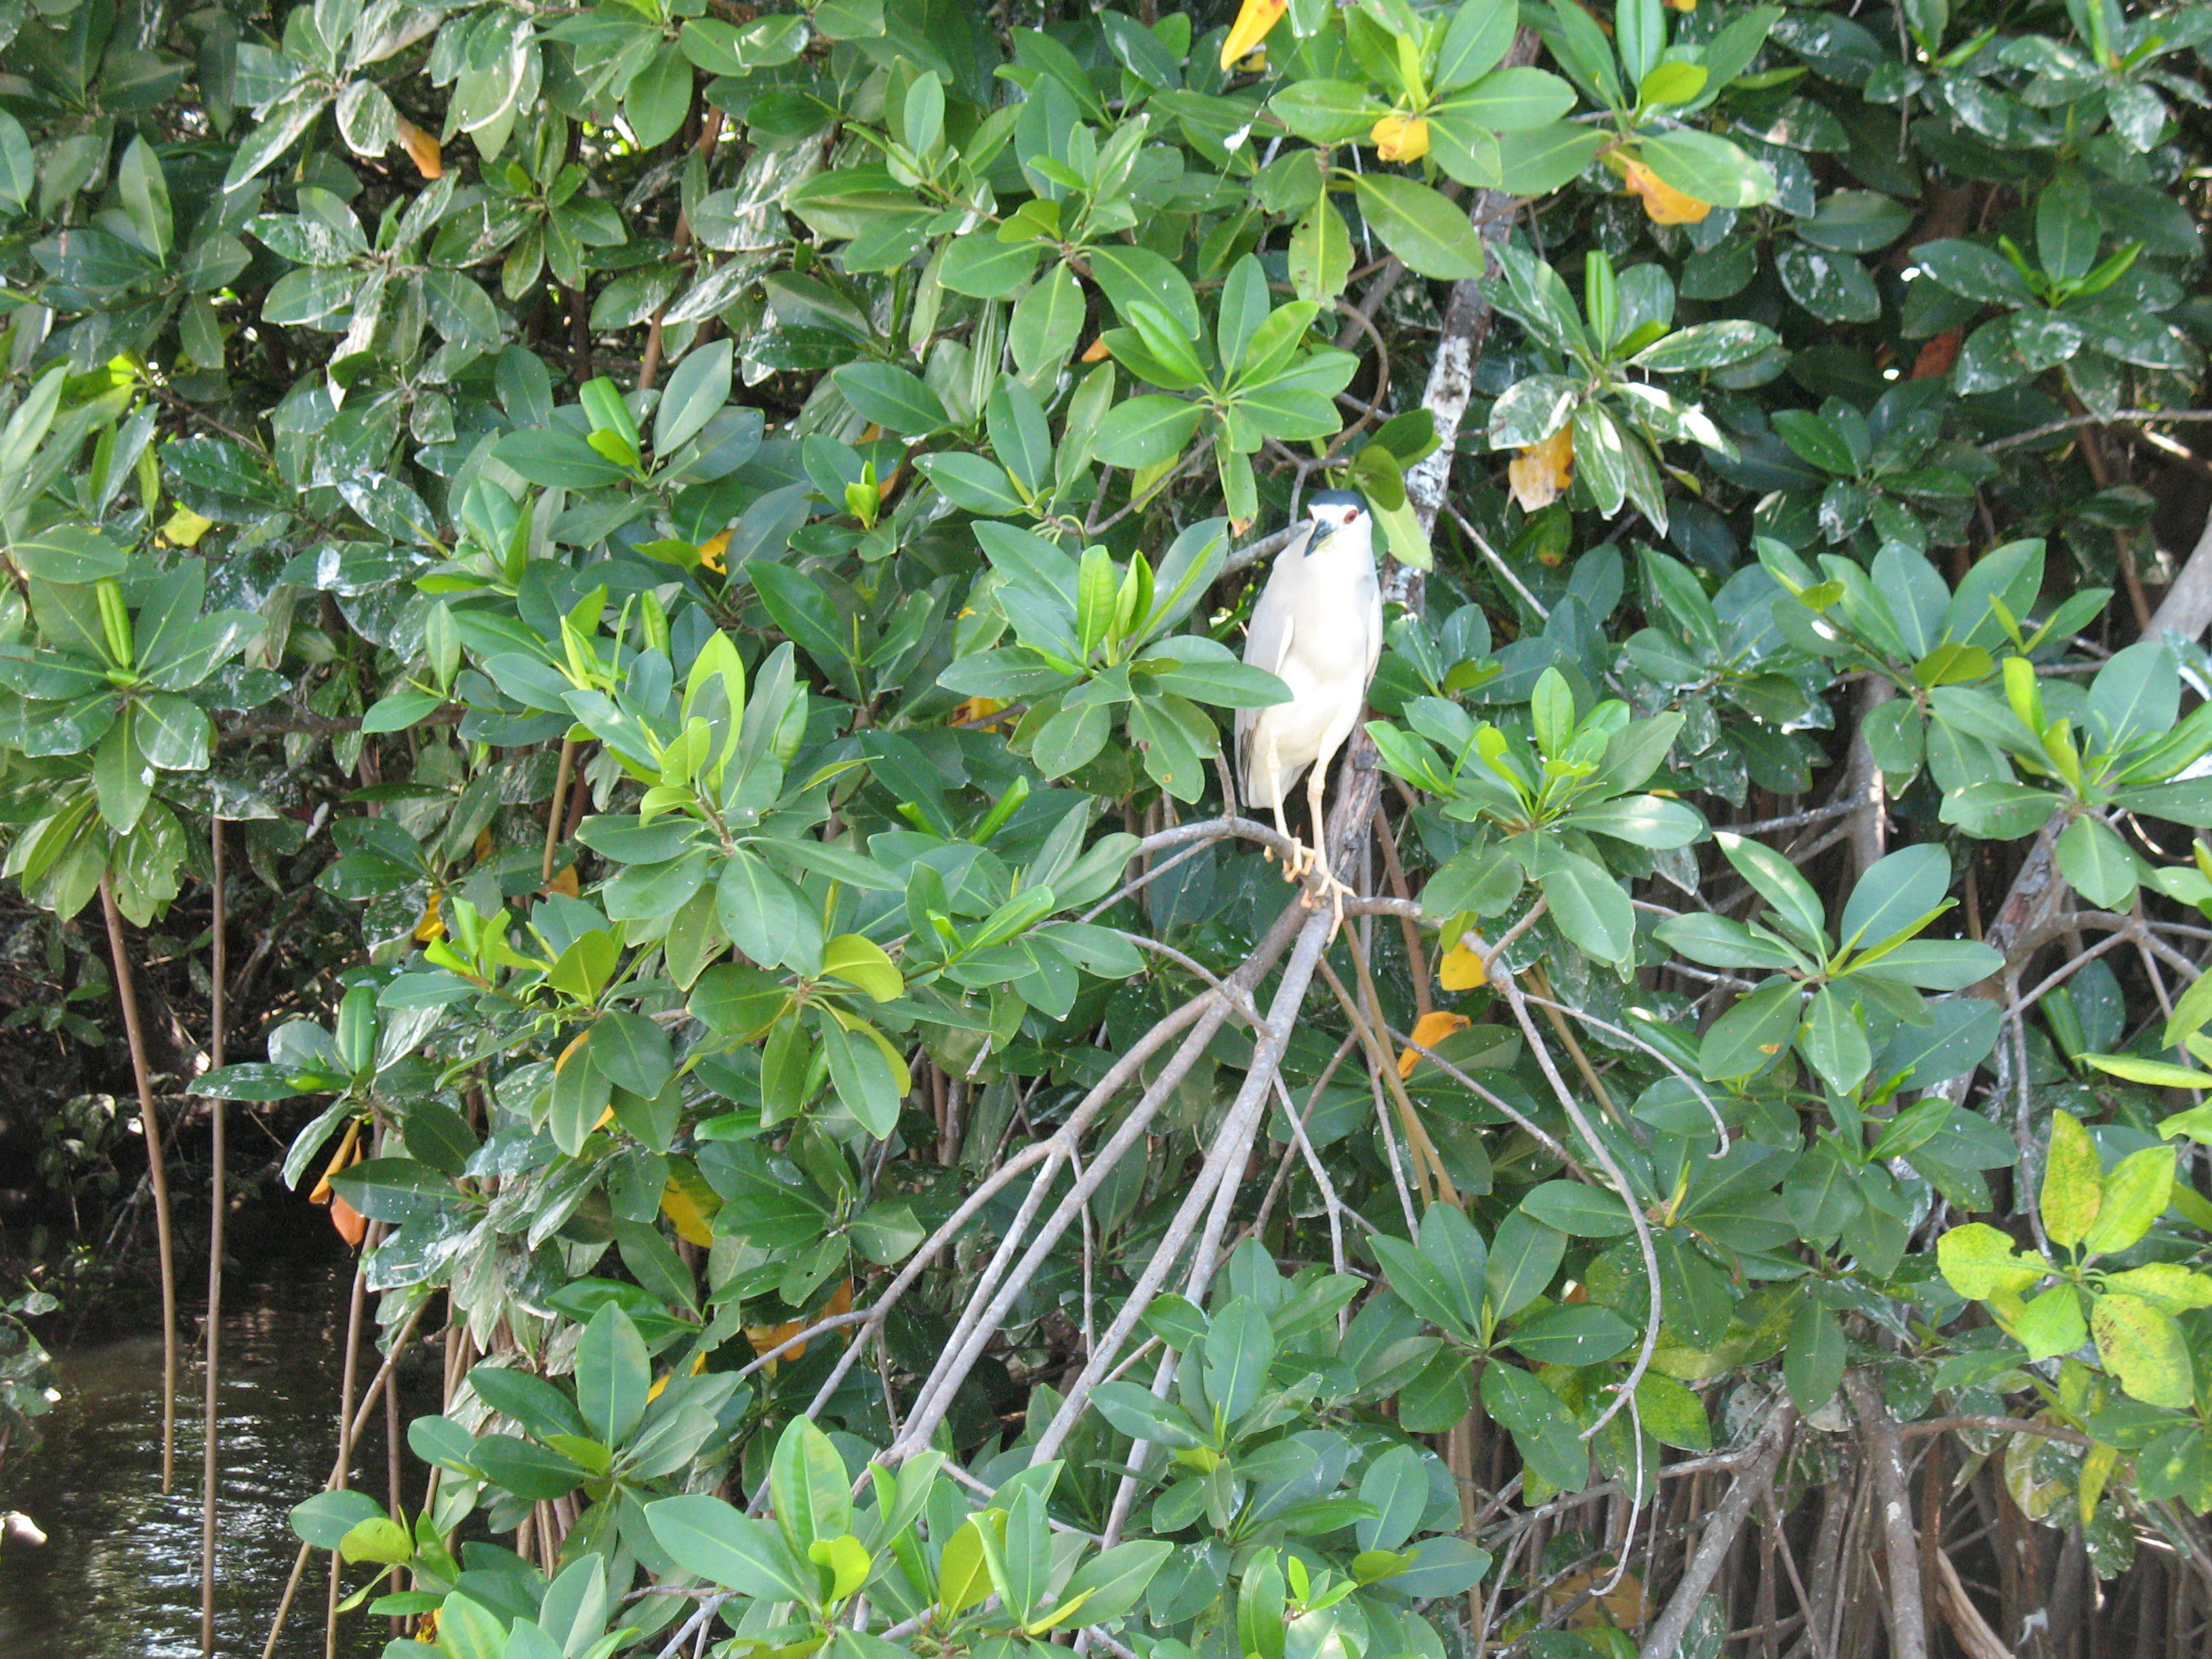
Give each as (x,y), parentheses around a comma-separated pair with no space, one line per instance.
(1316,787)
(1300,860)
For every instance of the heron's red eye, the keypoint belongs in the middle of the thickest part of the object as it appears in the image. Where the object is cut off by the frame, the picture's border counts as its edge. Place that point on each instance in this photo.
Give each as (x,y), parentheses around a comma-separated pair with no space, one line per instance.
(1350,514)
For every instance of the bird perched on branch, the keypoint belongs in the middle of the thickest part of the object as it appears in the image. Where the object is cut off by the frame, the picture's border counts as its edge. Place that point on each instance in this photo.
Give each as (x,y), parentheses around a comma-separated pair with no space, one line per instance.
(1317,627)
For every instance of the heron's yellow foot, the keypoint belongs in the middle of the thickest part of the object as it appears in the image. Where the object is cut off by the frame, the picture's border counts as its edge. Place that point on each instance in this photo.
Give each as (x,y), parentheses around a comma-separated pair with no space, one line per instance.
(1299,861)
(1322,884)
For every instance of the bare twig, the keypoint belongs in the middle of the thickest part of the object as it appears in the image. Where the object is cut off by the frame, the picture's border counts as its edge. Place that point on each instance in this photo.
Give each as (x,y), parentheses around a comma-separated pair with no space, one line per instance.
(157,1167)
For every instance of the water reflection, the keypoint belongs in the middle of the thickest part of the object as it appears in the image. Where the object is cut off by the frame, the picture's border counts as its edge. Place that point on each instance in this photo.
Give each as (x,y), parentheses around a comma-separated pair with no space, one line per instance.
(119,1576)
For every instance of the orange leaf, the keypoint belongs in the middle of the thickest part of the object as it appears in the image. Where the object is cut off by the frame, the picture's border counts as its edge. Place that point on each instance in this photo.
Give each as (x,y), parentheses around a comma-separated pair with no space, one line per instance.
(423,148)
(351,1226)
(1461,970)
(1663,204)
(1254,18)
(564,883)
(1428,1031)
(1625,1607)
(766,1338)
(1095,352)
(1401,137)
(1936,357)
(1540,473)
(711,551)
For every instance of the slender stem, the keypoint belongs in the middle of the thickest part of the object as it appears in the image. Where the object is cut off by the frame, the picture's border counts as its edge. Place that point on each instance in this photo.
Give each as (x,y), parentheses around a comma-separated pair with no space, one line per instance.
(1908,1619)
(359,1421)
(559,809)
(218,973)
(346,1432)
(1718,1537)
(157,1169)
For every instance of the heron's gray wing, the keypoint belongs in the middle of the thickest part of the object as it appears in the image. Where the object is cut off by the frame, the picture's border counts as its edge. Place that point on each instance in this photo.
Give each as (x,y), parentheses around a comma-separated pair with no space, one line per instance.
(1268,637)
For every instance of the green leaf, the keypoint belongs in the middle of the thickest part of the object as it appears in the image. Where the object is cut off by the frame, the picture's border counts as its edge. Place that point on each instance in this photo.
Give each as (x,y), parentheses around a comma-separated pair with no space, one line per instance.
(2154,1073)
(1137,1412)
(1589,902)
(1812,1365)
(981,266)
(1751,1035)
(1538,1422)
(1578,1210)
(1476,39)
(1778,882)
(2093,858)
(1577,1334)
(324,1520)
(1523,1258)
(630,1051)
(1428,232)
(890,399)
(1834,1039)
(1709,168)
(715,1541)
(1455,1250)
(695,392)
(68,553)
(809,1488)
(612,1375)
(1145,431)
(1895,893)
(1239,1348)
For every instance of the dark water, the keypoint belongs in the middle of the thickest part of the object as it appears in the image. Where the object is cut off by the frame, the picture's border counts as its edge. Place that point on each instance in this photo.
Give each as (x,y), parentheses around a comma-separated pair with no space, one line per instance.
(119,1576)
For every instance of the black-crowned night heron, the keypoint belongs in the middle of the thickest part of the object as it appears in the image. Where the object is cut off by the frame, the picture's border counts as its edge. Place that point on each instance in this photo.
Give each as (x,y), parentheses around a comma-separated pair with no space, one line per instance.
(1317,627)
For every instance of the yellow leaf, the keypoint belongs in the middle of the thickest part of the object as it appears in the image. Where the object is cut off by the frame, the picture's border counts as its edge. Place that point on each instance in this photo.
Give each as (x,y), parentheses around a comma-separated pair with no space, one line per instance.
(1683,6)
(976,712)
(423,148)
(698,1369)
(711,551)
(1401,137)
(1462,969)
(433,926)
(1540,473)
(1428,1031)
(564,883)
(483,849)
(1095,351)
(575,1043)
(682,1212)
(342,1158)
(1254,18)
(1663,204)
(185,527)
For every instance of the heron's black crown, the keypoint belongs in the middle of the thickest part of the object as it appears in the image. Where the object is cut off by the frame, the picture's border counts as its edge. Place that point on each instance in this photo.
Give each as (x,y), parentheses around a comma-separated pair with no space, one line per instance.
(1336,507)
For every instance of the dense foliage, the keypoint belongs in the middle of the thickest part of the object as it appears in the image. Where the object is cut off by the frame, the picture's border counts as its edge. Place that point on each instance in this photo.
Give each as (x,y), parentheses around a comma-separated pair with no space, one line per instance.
(704,550)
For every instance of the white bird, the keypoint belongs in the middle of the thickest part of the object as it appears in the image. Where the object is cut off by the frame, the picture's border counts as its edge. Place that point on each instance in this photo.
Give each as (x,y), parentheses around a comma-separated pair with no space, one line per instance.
(1317,627)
